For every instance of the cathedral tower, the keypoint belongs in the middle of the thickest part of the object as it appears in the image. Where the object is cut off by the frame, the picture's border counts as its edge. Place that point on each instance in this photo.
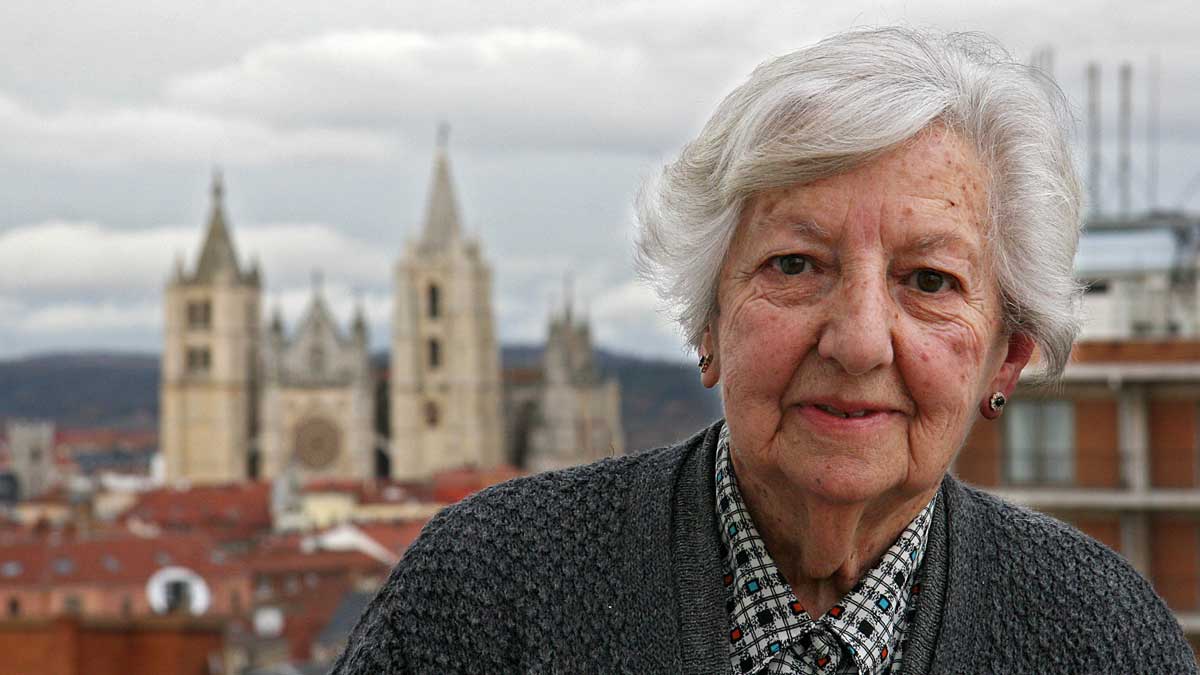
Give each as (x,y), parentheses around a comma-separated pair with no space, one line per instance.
(445,369)
(209,361)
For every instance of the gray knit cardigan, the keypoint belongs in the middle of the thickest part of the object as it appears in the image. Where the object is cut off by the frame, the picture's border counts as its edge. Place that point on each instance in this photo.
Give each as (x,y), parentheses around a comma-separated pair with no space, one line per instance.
(614,567)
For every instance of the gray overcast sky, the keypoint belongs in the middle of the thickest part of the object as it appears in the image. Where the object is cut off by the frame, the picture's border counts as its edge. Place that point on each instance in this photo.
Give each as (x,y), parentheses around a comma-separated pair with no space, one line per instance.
(323,115)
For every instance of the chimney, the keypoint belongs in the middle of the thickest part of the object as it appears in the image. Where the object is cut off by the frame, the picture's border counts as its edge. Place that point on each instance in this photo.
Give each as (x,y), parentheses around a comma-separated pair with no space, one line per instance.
(1093,78)
(1124,135)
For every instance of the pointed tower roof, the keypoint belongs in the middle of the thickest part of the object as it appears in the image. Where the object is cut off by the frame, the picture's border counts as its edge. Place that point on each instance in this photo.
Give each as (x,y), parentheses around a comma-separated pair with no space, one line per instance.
(441,211)
(318,319)
(218,253)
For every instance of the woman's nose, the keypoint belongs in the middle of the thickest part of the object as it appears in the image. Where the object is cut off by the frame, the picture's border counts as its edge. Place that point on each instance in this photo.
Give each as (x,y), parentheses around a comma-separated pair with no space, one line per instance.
(858,332)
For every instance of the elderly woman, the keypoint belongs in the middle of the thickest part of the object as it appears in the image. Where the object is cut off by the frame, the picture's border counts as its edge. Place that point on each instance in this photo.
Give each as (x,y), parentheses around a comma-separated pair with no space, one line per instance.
(865,245)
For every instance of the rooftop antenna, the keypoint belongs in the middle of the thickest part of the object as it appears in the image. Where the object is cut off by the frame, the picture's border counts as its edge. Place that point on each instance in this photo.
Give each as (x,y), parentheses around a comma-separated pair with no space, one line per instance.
(1094,166)
(1152,138)
(1124,135)
(1043,60)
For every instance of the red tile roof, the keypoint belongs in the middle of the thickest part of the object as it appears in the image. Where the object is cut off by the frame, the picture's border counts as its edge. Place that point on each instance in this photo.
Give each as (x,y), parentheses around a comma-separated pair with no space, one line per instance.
(396,536)
(286,553)
(281,562)
(228,512)
(110,558)
(308,613)
(456,484)
(102,438)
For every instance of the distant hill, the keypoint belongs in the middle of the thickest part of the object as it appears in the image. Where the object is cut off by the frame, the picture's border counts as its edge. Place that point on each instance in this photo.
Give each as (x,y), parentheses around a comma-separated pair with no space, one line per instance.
(82,389)
(661,401)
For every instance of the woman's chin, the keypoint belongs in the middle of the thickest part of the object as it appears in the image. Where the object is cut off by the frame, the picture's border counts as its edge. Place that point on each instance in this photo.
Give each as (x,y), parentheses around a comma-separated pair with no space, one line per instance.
(847,482)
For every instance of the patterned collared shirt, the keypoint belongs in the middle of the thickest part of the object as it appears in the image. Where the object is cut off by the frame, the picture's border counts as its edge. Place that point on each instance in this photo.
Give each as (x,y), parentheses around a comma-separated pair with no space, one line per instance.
(770,631)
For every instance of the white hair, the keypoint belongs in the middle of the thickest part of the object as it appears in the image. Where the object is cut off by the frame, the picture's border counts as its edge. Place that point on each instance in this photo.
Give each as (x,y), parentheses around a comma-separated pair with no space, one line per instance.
(828,108)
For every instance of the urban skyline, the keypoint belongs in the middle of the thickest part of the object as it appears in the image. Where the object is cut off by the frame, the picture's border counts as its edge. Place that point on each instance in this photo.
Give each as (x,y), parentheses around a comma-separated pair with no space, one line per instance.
(322,122)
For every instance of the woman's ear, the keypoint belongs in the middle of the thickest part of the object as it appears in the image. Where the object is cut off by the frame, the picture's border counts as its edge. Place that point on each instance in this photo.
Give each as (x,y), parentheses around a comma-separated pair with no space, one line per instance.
(1020,349)
(710,369)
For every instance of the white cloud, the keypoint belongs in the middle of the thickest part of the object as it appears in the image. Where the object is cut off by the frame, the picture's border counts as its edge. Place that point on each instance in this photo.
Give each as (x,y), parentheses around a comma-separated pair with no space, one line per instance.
(304,91)
(629,318)
(60,259)
(84,259)
(76,317)
(529,87)
(106,136)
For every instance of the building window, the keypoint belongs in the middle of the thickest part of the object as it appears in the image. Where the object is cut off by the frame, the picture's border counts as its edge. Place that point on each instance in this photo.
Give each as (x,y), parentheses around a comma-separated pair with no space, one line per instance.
(1039,442)
(14,607)
(73,604)
(199,315)
(198,360)
(179,597)
(432,414)
(435,353)
(435,301)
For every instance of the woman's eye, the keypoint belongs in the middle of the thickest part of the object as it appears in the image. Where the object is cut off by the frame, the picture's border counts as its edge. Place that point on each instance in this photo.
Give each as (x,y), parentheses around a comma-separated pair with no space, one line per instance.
(931,281)
(792,264)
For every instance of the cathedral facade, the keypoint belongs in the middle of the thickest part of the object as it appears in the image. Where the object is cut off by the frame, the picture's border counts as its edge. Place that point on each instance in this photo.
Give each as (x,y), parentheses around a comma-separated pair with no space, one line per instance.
(242,400)
(564,413)
(317,399)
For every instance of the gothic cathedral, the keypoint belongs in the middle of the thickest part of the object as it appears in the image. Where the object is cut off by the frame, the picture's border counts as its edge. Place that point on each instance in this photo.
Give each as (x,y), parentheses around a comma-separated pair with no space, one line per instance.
(239,402)
(238,405)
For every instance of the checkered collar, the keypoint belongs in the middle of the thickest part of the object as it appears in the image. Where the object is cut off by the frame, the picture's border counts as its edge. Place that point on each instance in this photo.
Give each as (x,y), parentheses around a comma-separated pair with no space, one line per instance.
(768,624)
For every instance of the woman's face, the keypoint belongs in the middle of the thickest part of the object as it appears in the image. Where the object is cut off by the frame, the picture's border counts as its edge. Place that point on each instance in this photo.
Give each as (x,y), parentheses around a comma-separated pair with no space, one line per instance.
(859,325)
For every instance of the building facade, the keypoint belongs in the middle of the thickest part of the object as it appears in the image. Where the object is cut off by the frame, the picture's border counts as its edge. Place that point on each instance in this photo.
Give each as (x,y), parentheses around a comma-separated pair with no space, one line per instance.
(445,389)
(31,456)
(242,402)
(317,405)
(210,360)
(566,413)
(1115,448)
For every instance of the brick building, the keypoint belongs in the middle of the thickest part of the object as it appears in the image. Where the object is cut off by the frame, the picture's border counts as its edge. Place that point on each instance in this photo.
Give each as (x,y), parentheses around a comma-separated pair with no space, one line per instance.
(109,576)
(1113,450)
(74,646)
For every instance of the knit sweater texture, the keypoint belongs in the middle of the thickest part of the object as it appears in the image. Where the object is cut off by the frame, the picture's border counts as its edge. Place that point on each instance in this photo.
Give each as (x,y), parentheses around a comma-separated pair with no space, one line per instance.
(615,567)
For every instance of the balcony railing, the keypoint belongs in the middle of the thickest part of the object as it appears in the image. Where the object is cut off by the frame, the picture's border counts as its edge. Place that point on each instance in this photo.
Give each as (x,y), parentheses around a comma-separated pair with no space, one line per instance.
(1102,499)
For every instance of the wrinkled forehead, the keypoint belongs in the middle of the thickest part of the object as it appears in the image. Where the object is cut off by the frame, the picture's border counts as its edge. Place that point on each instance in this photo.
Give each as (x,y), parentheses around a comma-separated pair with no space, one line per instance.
(929,190)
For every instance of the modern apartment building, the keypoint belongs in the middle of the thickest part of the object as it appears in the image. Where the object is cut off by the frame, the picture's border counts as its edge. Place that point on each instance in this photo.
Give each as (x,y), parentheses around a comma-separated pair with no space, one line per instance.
(1115,448)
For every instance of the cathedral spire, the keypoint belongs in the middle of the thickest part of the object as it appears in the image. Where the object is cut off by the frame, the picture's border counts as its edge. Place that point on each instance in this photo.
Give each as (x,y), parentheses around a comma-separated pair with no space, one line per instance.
(218,254)
(441,214)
